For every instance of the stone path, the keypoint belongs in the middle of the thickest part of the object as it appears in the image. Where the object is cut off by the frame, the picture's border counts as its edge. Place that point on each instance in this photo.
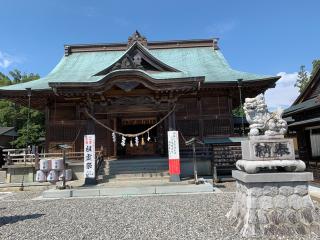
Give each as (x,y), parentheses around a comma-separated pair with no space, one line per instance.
(200,216)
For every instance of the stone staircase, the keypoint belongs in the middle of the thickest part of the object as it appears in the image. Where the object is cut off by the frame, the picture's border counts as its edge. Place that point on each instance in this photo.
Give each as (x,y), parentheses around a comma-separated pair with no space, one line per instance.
(151,168)
(3,176)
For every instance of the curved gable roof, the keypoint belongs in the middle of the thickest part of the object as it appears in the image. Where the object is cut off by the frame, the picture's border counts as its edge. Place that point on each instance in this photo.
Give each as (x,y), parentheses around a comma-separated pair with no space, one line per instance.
(178,62)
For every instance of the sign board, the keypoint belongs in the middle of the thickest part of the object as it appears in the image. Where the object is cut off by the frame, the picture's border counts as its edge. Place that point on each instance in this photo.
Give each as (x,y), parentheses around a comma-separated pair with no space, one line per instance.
(89,156)
(173,152)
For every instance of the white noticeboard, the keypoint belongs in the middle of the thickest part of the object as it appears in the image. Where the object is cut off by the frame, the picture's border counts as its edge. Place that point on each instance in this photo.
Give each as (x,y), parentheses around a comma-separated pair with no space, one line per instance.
(173,145)
(89,156)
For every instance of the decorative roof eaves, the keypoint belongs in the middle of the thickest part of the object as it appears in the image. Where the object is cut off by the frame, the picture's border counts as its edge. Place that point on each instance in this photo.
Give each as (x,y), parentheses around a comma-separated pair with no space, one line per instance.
(245,82)
(127,72)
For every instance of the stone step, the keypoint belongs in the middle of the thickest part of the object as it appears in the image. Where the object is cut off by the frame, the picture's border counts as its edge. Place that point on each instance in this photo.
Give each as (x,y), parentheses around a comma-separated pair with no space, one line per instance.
(3,176)
(138,161)
(136,168)
(135,177)
(129,171)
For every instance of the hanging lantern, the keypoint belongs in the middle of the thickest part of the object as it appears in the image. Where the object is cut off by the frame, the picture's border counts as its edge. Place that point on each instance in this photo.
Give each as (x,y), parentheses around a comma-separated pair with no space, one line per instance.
(131,144)
(114,137)
(148,138)
(123,141)
(142,141)
(137,141)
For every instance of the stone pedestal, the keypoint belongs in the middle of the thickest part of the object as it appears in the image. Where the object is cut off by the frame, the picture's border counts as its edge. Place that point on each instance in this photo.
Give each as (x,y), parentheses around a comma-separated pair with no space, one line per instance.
(269,152)
(274,204)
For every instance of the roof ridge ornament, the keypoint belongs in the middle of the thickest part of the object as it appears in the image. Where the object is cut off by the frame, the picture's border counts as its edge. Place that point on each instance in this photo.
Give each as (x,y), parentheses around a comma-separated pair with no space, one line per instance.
(137,37)
(215,44)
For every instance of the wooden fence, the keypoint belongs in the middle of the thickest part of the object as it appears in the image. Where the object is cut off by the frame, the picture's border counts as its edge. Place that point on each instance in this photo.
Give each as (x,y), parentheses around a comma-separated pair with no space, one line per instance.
(22,156)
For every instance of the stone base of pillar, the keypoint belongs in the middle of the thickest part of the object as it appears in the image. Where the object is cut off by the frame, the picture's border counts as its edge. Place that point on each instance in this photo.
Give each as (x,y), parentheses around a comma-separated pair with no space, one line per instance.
(90,181)
(175,178)
(274,204)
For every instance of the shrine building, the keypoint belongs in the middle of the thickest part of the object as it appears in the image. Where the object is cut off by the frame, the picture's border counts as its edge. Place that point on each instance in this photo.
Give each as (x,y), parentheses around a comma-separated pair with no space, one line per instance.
(130,87)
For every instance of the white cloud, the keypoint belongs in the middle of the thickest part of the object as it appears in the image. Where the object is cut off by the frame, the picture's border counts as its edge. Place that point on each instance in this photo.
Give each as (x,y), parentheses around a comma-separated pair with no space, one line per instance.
(5,60)
(121,21)
(218,29)
(284,94)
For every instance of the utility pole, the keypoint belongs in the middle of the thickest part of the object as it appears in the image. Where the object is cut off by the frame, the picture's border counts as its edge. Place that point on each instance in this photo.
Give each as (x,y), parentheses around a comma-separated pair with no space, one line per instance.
(27,141)
(240,97)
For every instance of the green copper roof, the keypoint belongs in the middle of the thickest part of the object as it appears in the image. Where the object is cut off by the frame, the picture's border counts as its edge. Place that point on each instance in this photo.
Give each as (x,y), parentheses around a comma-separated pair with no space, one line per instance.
(190,62)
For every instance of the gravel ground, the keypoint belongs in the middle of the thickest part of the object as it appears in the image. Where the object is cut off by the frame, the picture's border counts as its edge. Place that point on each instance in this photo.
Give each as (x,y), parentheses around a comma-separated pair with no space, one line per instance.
(200,216)
(226,186)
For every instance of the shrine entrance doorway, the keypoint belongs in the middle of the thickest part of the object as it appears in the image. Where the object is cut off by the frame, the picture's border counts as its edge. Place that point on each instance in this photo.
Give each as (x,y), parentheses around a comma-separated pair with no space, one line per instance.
(146,145)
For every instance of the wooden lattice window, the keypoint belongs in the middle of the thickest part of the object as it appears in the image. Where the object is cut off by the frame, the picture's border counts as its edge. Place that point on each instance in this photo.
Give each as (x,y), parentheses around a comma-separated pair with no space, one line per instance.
(188,127)
(217,127)
(215,105)
(60,132)
(187,107)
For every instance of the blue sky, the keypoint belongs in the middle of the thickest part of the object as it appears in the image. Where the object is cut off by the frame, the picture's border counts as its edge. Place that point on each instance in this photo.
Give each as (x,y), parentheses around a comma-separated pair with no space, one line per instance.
(266,37)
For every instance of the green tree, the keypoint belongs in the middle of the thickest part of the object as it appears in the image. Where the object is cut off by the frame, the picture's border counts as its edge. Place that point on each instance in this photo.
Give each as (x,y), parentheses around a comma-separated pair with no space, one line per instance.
(28,135)
(4,80)
(238,112)
(302,79)
(315,66)
(303,76)
(17,116)
(8,113)
(17,77)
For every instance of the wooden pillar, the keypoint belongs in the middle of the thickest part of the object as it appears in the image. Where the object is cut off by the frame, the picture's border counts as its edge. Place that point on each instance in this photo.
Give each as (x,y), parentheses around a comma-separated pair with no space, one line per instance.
(199,104)
(165,137)
(115,144)
(231,115)
(90,129)
(78,127)
(174,164)
(47,126)
(109,146)
(172,121)
(170,128)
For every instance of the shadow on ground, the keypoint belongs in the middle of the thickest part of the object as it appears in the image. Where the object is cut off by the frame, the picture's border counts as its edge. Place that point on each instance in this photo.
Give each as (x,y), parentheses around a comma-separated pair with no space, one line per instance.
(17,218)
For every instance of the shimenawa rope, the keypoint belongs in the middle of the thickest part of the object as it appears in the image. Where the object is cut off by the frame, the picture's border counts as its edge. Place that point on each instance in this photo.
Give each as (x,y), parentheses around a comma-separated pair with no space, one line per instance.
(128,134)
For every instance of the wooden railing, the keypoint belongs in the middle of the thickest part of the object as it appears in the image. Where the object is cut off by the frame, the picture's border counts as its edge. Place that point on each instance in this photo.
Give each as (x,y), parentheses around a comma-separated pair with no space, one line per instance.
(21,156)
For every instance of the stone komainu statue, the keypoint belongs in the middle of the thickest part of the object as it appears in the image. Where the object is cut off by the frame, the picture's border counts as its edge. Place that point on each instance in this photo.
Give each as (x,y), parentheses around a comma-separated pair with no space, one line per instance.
(261,121)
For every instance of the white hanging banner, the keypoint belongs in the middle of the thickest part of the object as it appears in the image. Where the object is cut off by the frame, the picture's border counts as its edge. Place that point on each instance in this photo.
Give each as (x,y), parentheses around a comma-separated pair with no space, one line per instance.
(173,152)
(89,156)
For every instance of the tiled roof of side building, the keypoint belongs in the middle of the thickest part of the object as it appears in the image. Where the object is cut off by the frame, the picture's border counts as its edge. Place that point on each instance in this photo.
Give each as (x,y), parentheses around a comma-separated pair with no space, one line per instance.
(303,106)
(190,62)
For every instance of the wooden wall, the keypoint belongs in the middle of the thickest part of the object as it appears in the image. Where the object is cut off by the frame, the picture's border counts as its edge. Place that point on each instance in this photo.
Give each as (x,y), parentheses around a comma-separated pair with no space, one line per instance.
(201,116)
(207,116)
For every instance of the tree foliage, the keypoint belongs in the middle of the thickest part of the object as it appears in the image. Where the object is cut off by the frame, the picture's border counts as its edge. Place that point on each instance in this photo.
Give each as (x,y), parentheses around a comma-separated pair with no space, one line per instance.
(4,80)
(302,79)
(315,66)
(14,115)
(303,76)
(18,77)
(238,112)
